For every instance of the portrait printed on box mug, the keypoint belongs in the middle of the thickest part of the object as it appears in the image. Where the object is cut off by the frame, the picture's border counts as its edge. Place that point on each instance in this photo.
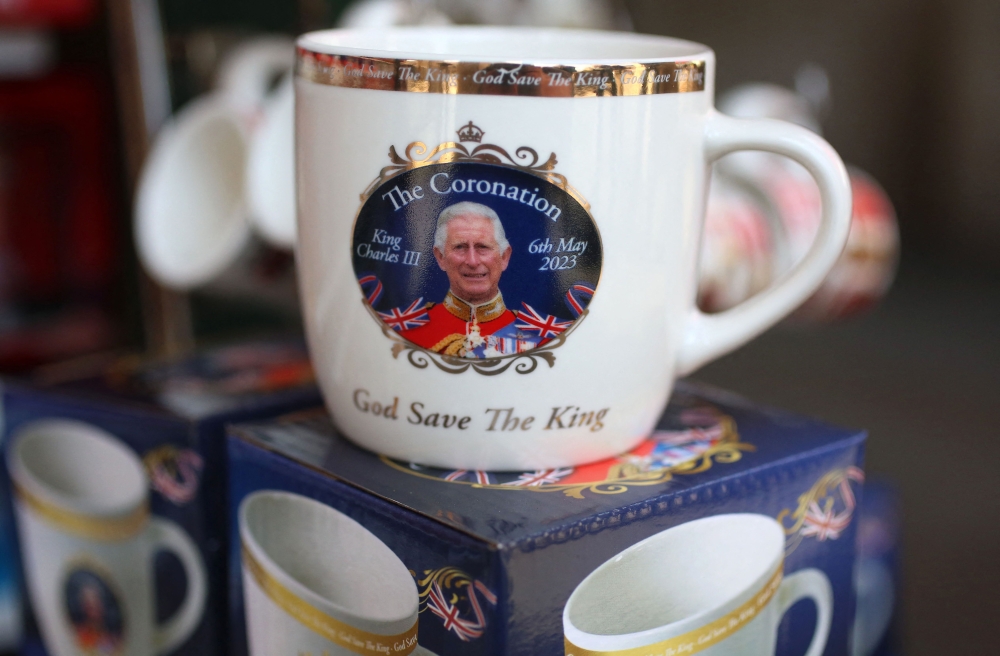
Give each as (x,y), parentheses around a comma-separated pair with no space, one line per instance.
(474,258)
(95,612)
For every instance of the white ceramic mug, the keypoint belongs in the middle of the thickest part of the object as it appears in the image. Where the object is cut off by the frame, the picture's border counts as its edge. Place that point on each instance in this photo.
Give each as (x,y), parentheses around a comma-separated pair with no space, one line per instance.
(88,542)
(317,582)
(563,289)
(713,586)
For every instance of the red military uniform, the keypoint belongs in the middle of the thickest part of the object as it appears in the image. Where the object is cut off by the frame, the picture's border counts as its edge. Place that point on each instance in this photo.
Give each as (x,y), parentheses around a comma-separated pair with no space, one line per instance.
(450,321)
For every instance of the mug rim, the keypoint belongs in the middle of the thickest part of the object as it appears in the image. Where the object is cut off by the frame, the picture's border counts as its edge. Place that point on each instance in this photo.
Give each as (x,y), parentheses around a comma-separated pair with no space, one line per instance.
(27,482)
(325,42)
(298,589)
(648,637)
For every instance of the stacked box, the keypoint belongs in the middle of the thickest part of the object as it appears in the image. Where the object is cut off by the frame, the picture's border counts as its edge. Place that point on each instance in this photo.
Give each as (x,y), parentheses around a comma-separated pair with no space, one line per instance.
(876,628)
(118,484)
(745,515)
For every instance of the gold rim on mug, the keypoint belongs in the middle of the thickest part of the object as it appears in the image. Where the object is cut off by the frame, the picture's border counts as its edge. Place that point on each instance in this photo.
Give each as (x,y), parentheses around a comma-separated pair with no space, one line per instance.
(96,528)
(500,78)
(345,635)
(703,637)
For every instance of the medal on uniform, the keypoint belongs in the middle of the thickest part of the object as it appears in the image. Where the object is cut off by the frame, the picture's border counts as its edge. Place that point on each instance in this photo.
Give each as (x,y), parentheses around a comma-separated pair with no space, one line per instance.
(473,338)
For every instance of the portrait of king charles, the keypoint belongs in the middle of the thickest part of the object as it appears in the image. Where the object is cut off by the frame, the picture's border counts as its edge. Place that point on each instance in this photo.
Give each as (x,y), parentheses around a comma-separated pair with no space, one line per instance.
(472,321)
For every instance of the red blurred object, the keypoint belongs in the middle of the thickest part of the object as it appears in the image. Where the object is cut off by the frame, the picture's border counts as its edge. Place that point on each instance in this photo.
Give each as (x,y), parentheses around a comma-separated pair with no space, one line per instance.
(61,335)
(47,13)
(865,270)
(738,259)
(58,233)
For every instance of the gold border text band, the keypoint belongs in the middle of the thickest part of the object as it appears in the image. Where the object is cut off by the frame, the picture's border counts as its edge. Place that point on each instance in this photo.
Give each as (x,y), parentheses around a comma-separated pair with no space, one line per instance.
(500,79)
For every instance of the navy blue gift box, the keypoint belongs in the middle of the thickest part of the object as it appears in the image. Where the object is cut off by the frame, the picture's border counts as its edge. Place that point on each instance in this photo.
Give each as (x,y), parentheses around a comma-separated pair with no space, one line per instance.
(495,556)
(876,630)
(172,416)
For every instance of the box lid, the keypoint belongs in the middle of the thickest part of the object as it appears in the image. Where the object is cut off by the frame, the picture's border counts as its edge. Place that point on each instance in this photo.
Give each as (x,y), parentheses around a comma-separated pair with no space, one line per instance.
(705,436)
(216,382)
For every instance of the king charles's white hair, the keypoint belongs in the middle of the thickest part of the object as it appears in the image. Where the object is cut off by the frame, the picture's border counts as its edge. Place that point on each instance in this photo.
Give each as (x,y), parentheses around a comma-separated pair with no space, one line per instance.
(467,208)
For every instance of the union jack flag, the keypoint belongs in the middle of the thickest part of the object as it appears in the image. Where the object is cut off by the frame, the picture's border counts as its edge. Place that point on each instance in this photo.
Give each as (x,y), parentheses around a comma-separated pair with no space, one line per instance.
(574,296)
(371,287)
(175,474)
(546,327)
(465,629)
(478,476)
(507,345)
(824,523)
(412,317)
(541,477)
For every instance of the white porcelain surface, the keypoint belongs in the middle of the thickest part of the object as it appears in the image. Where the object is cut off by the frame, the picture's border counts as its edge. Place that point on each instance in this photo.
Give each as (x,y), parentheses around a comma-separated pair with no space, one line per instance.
(640,161)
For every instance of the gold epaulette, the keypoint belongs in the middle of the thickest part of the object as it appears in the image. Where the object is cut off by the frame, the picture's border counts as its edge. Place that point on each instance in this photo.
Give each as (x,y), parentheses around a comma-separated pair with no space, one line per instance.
(450,345)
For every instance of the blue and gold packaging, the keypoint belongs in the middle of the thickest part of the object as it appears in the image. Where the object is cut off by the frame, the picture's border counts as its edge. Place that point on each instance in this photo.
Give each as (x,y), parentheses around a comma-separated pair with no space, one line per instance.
(876,626)
(730,530)
(117,478)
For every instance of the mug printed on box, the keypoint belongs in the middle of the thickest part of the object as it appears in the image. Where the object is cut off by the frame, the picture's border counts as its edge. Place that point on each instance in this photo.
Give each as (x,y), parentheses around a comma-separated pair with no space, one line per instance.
(714,586)
(317,582)
(88,543)
(523,258)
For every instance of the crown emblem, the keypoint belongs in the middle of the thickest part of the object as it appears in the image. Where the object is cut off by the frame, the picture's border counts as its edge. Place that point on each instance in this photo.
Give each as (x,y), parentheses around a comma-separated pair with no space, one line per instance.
(470,132)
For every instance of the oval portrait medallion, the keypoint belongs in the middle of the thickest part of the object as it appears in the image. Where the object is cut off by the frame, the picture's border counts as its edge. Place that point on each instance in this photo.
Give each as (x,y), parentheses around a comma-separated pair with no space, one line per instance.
(472,259)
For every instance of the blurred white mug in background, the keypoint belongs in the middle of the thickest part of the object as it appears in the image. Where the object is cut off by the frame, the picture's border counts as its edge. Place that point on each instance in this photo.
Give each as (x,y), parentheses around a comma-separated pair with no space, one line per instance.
(220,176)
(219,180)
(764,212)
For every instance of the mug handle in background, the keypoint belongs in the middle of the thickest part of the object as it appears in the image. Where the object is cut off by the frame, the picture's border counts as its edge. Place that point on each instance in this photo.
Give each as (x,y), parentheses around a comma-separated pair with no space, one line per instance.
(708,336)
(168,536)
(811,583)
(246,75)
(270,171)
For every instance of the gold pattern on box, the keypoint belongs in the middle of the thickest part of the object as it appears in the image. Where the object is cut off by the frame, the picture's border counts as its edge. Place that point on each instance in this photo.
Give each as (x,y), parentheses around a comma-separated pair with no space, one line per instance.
(445,591)
(624,474)
(825,510)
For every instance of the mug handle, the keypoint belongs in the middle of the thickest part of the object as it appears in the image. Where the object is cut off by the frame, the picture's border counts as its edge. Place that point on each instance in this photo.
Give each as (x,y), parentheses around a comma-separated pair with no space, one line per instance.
(168,536)
(708,336)
(245,75)
(810,583)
